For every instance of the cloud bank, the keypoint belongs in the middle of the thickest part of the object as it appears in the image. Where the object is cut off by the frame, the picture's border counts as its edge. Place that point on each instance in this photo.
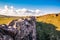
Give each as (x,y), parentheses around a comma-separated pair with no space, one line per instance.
(11,11)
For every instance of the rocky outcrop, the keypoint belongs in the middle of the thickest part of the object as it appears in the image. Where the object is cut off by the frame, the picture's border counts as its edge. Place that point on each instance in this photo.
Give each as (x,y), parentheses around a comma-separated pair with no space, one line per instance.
(20,29)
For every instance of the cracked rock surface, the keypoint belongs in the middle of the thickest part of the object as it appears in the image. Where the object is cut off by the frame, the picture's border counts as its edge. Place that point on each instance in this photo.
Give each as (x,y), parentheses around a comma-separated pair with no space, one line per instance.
(20,29)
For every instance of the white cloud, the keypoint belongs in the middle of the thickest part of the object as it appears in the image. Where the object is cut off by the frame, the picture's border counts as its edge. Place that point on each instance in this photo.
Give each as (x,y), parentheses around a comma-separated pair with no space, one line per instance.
(11,11)
(37,11)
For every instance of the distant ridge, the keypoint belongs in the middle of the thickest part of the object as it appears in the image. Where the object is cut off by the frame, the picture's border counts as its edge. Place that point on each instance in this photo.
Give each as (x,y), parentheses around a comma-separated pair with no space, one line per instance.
(51,14)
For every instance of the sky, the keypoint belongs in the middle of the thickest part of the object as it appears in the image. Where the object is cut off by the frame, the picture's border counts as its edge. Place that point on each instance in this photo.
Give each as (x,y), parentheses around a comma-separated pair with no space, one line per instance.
(47,6)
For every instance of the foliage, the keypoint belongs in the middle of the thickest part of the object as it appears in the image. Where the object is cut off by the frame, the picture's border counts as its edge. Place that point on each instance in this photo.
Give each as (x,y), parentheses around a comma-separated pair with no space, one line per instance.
(46,31)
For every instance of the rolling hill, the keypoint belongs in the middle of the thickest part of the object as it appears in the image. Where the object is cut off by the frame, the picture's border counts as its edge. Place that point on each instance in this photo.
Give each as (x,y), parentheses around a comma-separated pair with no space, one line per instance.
(49,18)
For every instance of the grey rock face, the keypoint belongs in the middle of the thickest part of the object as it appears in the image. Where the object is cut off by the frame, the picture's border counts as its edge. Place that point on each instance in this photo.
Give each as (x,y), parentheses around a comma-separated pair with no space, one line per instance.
(21,29)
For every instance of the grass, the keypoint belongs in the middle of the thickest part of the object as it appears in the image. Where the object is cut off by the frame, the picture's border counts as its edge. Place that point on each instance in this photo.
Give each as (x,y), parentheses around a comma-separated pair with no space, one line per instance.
(51,18)
(6,20)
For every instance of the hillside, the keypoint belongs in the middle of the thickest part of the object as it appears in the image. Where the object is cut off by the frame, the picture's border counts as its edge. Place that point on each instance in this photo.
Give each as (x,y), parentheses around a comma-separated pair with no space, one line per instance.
(49,18)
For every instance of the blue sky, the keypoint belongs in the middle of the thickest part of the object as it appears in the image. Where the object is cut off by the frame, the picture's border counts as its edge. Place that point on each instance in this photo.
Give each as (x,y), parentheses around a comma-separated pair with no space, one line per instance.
(47,5)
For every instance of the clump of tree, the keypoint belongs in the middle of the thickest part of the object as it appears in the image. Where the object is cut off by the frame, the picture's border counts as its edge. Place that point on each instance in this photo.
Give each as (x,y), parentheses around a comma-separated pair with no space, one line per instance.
(46,31)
